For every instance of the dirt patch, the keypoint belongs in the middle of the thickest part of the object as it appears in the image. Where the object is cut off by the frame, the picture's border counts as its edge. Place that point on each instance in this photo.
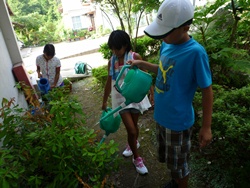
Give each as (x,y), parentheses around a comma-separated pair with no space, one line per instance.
(90,95)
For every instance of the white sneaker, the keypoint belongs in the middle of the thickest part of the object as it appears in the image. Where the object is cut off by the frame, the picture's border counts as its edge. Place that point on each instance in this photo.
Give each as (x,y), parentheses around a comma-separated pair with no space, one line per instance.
(128,152)
(140,167)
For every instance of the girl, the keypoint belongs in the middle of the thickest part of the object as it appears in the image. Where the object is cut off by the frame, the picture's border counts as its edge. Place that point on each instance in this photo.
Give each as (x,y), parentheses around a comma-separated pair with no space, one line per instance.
(50,66)
(119,43)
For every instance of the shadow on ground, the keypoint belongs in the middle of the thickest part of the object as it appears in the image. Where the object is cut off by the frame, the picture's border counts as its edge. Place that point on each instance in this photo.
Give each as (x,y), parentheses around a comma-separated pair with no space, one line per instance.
(90,96)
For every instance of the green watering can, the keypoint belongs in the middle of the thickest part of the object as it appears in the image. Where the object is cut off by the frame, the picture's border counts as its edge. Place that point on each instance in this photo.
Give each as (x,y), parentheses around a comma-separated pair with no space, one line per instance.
(134,88)
(110,123)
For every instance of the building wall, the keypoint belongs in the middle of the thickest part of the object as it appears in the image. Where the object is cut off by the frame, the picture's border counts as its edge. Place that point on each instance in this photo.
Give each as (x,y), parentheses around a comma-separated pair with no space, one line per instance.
(7,83)
(74,8)
(101,20)
(67,19)
(9,56)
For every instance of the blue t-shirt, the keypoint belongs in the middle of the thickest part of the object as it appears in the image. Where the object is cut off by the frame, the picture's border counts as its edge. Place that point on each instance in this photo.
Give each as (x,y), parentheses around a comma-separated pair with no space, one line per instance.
(182,68)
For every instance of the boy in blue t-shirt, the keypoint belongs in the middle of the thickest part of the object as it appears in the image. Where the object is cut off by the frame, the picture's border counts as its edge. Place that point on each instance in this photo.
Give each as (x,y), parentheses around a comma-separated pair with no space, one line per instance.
(183,67)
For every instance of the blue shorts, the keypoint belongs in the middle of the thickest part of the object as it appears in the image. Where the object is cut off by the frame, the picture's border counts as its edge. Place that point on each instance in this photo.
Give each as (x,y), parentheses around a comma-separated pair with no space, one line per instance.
(174,149)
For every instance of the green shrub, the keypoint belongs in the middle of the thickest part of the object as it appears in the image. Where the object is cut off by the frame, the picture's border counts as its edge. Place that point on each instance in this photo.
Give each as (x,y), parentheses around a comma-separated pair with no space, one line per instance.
(145,46)
(225,162)
(106,52)
(101,74)
(219,31)
(53,148)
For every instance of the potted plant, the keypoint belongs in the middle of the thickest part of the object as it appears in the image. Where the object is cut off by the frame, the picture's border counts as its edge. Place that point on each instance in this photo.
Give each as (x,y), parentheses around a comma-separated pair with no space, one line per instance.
(81,34)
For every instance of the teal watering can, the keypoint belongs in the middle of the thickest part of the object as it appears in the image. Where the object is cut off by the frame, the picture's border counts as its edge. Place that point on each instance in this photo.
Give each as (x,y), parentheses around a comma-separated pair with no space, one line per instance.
(134,88)
(110,123)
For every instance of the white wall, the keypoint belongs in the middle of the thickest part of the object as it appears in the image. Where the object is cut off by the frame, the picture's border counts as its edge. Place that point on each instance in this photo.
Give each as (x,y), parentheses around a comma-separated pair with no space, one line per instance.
(7,80)
(9,55)
(73,8)
(102,20)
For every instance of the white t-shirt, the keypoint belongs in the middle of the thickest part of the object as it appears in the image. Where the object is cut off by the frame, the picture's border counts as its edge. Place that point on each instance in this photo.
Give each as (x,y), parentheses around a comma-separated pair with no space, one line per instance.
(48,69)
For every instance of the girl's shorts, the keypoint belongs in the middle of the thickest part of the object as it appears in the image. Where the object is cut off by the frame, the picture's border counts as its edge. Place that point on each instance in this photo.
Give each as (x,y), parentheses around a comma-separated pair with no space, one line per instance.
(131,110)
(174,149)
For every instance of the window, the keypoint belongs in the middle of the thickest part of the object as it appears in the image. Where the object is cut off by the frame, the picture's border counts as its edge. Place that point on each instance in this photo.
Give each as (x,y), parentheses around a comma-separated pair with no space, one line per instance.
(77,24)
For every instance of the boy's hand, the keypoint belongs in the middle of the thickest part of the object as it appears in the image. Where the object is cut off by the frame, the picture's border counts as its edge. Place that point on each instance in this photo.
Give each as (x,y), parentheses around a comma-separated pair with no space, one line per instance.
(134,63)
(205,136)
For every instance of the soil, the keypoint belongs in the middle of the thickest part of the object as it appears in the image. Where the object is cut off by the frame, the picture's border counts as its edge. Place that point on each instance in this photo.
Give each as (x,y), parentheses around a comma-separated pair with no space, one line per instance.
(89,94)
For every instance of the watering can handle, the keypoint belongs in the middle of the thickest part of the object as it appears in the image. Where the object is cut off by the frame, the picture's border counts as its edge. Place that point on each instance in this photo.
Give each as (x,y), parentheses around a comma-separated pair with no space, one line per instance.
(118,88)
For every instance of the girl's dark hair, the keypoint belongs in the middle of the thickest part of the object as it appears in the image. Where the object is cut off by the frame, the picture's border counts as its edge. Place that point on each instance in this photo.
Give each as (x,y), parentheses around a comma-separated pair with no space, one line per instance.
(119,39)
(49,50)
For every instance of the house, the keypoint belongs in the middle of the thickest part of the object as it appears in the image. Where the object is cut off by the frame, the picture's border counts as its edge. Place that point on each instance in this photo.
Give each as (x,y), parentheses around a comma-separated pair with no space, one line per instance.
(11,63)
(77,15)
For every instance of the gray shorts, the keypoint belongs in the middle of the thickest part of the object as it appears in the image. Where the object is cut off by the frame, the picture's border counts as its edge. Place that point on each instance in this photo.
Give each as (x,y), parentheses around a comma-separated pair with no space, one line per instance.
(174,149)
(130,110)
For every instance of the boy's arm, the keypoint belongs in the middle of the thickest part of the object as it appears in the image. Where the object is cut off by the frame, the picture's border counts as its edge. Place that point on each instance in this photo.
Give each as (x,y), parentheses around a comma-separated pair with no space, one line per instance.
(144,65)
(205,134)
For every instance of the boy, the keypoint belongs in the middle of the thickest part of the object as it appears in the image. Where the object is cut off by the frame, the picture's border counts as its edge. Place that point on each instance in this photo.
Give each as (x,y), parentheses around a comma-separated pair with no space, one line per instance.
(183,67)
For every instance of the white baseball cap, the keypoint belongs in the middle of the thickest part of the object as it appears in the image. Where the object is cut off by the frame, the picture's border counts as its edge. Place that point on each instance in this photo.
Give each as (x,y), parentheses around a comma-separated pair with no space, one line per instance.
(171,14)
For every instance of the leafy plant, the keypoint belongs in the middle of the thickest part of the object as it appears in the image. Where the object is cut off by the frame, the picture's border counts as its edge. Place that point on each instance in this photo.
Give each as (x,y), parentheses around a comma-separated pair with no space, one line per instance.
(106,52)
(100,74)
(146,47)
(82,33)
(52,148)
(217,27)
(225,162)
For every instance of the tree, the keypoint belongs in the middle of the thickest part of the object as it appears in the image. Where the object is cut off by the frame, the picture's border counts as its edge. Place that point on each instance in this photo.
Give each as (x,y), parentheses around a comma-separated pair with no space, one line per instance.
(128,12)
(30,17)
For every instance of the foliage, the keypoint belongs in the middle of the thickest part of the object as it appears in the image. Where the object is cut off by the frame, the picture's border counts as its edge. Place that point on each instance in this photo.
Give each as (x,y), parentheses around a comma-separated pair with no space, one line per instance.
(36,22)
(129,13)
(146,47)
(76,34)
(225,162)
(106,52)
(214,27)
(43,148)
(82,33)
(66,81)
(100,74)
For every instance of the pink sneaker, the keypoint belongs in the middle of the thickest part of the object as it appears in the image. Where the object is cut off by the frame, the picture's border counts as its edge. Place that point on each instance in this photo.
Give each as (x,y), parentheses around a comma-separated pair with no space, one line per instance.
(128,152)
(140,167)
